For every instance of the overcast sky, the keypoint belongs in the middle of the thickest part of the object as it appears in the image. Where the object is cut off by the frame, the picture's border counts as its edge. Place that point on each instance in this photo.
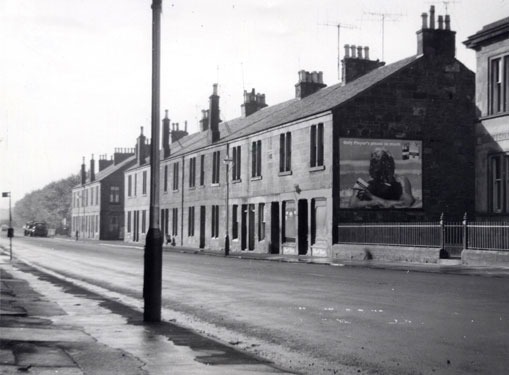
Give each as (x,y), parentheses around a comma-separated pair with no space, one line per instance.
(75,75)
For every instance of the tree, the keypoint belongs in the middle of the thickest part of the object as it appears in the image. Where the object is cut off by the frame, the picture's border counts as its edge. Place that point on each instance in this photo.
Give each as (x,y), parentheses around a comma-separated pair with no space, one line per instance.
(51,204)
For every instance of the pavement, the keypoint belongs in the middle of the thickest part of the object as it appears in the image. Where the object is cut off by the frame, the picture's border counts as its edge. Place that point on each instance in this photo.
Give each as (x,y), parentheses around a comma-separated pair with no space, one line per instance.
(50,327)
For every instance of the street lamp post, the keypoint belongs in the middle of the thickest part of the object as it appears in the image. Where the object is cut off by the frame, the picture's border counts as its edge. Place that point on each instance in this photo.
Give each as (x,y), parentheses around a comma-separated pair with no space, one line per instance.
(227,162)
(152,278)
(10,231)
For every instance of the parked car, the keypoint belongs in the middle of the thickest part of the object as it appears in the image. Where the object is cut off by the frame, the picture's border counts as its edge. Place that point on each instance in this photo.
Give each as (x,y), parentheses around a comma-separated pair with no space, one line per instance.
(28,227)
(36,229)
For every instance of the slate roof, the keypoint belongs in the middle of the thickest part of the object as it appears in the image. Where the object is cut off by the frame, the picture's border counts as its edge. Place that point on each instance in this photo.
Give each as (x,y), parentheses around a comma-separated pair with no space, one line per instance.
(109,170)
(291,110)
(489,33)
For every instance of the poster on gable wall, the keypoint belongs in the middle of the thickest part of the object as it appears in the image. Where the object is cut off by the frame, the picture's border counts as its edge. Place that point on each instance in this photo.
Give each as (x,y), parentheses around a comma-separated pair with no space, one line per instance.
(380,173)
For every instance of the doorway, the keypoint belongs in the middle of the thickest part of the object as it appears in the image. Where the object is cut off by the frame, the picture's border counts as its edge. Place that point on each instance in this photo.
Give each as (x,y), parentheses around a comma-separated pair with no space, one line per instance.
(302,229)
(243,229)
(203,213)
(251,227)
(274,228)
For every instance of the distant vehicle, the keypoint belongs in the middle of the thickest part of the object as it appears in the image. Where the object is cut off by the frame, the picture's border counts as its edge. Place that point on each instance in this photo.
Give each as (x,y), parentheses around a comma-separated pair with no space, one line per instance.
(5,227)
(36,229)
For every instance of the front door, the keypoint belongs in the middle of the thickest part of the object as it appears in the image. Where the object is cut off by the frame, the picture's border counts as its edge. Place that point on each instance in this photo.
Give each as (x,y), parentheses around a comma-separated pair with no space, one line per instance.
(203,213)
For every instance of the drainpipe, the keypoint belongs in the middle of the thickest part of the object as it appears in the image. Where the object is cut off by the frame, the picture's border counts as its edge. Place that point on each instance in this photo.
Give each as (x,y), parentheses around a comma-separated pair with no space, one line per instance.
(182,205)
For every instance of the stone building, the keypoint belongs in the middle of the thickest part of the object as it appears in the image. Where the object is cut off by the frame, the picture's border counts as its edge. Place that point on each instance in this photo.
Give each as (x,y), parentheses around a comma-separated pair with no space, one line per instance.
(389,143)
(491,44)
(98,202)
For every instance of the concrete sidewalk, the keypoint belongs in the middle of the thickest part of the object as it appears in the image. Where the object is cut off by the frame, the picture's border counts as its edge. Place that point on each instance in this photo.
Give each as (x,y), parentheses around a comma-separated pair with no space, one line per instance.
(50,327)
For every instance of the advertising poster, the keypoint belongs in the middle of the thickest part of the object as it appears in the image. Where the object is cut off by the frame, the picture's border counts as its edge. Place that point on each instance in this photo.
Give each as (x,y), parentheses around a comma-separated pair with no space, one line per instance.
(380,173)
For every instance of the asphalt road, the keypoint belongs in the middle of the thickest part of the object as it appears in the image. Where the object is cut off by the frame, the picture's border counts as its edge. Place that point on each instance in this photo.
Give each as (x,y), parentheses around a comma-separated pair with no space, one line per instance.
(311,318)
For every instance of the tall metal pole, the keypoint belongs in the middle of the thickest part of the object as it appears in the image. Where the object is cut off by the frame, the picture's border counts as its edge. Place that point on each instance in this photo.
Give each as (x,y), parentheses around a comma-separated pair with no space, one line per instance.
(227,161)
(154,241)
(10,229)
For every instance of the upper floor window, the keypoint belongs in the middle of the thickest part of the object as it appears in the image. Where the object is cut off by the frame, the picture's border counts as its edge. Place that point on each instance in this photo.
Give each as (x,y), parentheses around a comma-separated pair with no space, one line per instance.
(114,194)
(135,183)
(214,230)
(144,185)
(236,164)
(498,101)
(285,152)
(97,195)
(192,172)
(499,183)
(175,176)
(256,159)
(129,185)
(166,177)
(216,163)
(316,146)
(202,170)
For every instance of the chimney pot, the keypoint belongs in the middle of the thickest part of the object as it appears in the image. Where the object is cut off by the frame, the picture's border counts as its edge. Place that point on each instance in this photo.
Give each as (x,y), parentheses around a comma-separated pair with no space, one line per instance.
(347,51)
(440,22)
(359,52)
(141,130)
(185,126)
(432,17)
(353,50)
(366,53)
(314,77)
(214,89)
(165,113)
(320,80)
(424,20)
(447,22)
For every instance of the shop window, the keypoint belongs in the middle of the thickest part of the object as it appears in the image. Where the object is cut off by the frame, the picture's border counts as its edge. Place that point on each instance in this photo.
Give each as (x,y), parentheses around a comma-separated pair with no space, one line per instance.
(289,221)
(215,222)
(318,220)
(175,221)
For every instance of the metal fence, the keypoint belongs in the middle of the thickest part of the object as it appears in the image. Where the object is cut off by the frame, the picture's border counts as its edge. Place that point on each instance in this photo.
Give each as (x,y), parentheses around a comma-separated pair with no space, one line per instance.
(451,236)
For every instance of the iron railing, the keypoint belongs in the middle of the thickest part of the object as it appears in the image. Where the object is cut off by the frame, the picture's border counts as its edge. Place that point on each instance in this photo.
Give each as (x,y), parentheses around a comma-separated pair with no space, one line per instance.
(452,236)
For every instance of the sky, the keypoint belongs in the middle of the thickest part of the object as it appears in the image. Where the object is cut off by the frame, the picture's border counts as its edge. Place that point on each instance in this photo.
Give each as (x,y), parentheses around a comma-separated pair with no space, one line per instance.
(75,75)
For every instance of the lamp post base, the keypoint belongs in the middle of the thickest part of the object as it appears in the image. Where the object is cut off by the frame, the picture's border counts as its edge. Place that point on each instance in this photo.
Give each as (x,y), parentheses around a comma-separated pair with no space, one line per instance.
(152,279)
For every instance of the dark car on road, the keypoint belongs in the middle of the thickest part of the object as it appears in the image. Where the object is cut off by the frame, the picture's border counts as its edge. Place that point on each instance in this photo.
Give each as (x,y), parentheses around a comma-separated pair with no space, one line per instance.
(36,229)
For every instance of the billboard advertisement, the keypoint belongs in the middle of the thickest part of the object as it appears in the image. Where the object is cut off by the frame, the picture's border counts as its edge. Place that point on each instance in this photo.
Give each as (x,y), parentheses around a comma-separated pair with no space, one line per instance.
(380,173)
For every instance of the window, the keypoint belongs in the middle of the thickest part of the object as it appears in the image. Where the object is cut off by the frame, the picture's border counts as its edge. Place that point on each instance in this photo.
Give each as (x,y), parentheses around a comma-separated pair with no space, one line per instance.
(202,170)
(175,176)
(128,221)
(97,195)
(135,183)
(192,172)
(86,197)
(215,222)
(144,183)
(256,159)
(143,221)
(166,177)
(236,165)
(261,221)
(289,222)
(190,222)
(235,222)
(285,152)
(114,194)
(499,183)
(92,196)
(97,223)
(113,224)
(166,221)
(316,146)
(129,185)
(498,85)
(318,220)
(175,221)
(215,166)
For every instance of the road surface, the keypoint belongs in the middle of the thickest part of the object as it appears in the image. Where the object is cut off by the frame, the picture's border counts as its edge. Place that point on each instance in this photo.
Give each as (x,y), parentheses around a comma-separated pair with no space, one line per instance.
(309,318)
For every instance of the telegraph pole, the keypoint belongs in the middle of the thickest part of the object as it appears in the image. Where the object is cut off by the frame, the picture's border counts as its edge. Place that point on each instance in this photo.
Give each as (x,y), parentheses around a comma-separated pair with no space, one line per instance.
(339,26)
(10,231)
(152,279)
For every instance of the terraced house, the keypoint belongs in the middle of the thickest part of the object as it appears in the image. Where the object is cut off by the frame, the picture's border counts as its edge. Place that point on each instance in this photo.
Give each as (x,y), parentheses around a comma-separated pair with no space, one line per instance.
(389,143)
(98,202)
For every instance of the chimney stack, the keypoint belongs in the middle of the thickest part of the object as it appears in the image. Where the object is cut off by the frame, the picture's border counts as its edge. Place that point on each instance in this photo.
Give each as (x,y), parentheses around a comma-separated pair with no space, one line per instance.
(214,120)
(440,42)
(347,50)
(104,162)
(92,169)
(176,133)
(83,173)
(141,147)
(252,102)
(204,122)
(355,66)
(166,135)
(308,84)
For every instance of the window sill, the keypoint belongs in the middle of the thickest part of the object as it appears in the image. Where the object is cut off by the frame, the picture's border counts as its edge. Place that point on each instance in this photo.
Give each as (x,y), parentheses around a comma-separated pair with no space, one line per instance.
(317,168)
(175,190)
(256,178)
(192,187)
(236,181)
(201,187)
(285,173)
(215,184)
(495,115)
